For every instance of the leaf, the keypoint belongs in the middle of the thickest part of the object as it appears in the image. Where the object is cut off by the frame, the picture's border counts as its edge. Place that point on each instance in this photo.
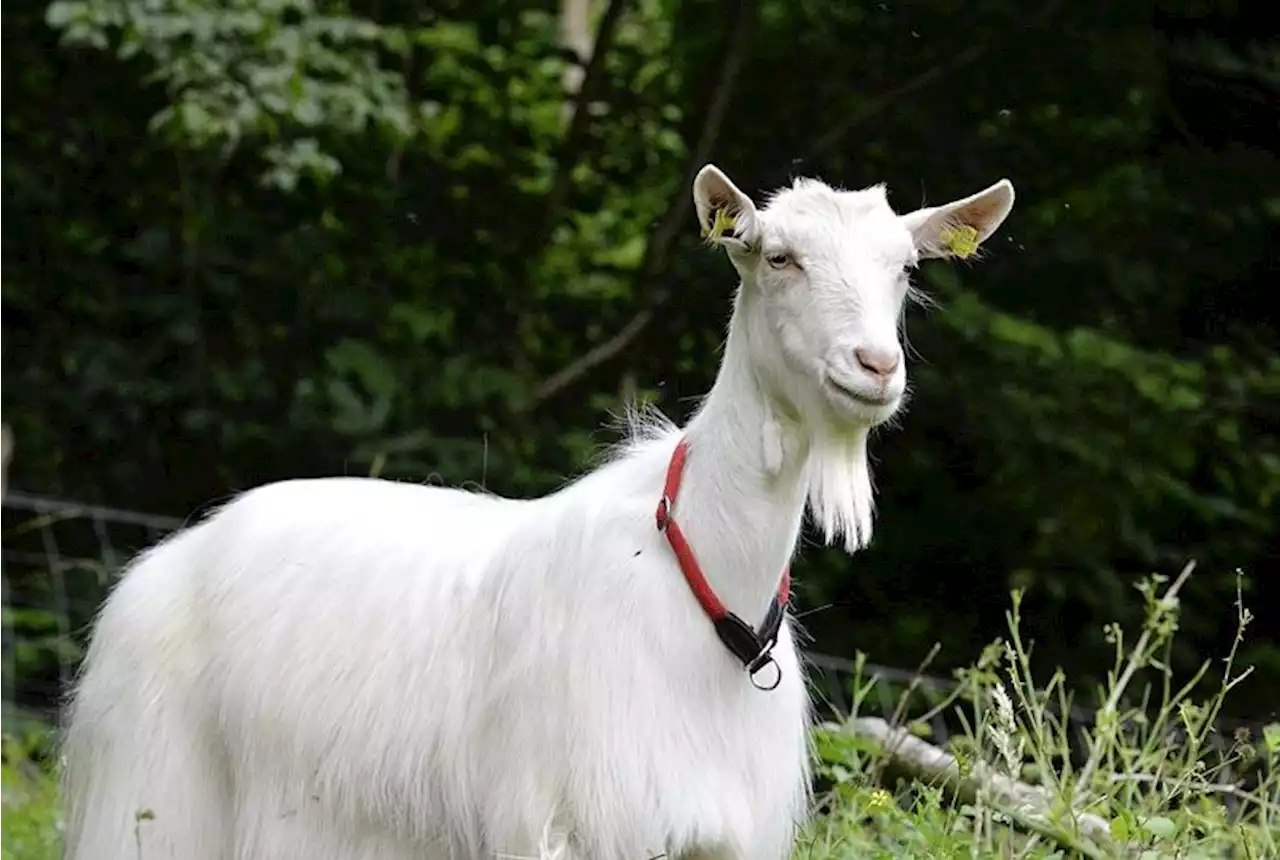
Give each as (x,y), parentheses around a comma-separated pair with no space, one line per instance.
(62,13)
(1160,827)
(1271,737)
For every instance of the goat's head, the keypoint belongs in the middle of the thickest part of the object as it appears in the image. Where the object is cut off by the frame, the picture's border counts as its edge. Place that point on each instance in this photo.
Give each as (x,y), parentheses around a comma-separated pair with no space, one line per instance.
(825,274)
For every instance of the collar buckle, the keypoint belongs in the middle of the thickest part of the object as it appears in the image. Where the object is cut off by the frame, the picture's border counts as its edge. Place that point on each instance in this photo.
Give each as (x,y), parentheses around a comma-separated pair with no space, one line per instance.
(663,516)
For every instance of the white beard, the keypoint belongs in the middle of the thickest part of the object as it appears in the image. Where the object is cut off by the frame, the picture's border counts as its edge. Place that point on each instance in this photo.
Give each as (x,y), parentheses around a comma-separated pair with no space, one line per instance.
(840,497)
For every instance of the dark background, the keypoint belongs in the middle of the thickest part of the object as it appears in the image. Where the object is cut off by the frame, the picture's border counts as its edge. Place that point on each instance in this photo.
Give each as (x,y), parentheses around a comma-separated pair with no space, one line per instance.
(245,242)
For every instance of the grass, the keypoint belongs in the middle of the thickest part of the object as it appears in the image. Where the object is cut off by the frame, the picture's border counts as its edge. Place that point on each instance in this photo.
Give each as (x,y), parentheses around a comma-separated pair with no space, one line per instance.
(1149,777)
(30,825)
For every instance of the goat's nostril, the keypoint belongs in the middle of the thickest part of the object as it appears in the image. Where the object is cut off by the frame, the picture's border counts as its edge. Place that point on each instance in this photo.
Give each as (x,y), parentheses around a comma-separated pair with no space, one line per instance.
(880,362)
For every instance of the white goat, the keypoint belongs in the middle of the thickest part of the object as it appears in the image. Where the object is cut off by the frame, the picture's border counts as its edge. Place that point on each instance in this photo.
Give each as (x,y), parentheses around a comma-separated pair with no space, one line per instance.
(354,669)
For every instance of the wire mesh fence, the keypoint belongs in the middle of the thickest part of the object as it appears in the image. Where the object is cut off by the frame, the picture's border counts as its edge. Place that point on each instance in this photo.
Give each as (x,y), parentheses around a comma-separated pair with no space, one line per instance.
(59,559)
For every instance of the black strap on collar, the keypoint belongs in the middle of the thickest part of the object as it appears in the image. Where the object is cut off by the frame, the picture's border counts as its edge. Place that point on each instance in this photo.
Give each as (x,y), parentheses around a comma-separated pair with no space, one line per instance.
(753,648)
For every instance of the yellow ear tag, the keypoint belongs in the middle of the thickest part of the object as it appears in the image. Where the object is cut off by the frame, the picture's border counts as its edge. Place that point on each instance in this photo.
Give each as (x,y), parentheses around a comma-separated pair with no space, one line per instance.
(723,221)
(961,241)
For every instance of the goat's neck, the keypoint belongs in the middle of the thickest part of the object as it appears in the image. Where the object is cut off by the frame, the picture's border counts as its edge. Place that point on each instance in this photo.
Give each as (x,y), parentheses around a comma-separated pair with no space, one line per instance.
(745,483)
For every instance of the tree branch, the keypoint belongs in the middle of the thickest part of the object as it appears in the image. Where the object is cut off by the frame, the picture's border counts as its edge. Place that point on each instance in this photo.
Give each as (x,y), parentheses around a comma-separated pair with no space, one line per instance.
(571,147)
(657,251)
(6,454)
(1028,805)
(597,355)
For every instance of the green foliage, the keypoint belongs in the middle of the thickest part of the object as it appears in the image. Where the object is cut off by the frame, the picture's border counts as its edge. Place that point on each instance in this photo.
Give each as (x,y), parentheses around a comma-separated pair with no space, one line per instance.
(31,824)
(268,73)
(39,646)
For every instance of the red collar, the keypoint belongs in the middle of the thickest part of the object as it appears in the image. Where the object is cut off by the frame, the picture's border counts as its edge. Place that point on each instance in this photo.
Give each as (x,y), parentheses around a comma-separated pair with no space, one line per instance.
(754,648)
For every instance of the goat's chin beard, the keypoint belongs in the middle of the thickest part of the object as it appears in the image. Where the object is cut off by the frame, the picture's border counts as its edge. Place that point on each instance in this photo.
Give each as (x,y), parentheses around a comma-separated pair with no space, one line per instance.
(840,492)
(837,472)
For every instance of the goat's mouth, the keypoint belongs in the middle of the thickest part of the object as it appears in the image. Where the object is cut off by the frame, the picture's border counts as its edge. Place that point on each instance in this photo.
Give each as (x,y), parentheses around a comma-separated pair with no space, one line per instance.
(847,392)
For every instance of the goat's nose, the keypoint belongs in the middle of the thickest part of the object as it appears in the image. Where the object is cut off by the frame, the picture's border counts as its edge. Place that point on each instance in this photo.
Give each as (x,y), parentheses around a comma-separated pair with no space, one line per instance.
(878,361)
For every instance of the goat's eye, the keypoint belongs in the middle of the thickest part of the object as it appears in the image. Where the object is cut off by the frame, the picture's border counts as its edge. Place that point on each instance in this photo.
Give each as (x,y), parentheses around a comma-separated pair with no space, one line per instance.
(778,261)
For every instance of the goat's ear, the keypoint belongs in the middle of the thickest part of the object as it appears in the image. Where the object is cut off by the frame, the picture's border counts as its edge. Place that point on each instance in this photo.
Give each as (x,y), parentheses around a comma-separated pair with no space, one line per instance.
(726,216)
(957,229)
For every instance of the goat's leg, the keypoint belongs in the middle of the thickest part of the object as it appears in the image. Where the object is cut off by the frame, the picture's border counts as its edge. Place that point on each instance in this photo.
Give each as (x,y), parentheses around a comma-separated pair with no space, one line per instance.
(727,852)
(719,852)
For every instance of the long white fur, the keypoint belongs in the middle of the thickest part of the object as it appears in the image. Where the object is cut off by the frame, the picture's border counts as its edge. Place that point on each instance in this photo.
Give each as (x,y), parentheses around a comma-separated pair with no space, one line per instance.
(355,669)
